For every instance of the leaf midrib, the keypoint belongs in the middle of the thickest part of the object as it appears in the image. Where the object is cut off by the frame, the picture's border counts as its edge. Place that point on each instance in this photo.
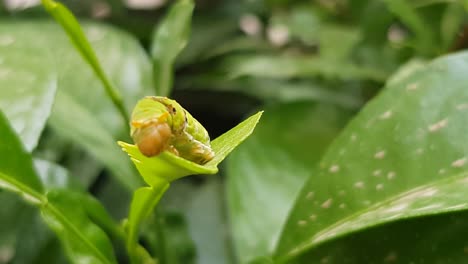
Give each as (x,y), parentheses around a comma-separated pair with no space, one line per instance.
(375,206)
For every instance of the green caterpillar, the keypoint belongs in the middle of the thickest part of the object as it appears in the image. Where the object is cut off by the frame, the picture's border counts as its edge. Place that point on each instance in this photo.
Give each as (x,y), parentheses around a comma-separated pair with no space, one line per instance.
(160,124)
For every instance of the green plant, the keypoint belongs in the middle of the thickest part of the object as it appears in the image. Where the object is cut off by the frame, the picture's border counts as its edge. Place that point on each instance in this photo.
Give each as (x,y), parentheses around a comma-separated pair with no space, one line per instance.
(360,157)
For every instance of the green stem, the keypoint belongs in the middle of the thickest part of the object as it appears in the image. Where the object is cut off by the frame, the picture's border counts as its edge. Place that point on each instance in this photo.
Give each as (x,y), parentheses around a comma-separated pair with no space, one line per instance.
(73,29)
(144,200)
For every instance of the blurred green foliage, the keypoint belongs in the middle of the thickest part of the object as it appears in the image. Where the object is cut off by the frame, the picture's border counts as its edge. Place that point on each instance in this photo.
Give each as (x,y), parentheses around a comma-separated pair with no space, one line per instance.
(307,187)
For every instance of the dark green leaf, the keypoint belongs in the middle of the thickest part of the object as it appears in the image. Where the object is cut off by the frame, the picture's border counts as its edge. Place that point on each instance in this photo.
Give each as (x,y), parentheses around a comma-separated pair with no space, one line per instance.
(16,167)
(168,234)
(169,40)
(434,239)
(267,172)
(61,209)
(405,155)
(451,24)
(82,239)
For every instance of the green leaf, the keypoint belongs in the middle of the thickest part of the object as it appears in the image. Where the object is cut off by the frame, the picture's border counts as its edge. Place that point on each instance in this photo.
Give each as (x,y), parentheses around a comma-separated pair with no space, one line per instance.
(82,239)
(28,83)
(16,168)
(405,155)
(277,160)
(99,143)
(160,170)
(169,39)
(171,167)
(433,239)
(61,210)
(73,29)
(124,61)
(285,67)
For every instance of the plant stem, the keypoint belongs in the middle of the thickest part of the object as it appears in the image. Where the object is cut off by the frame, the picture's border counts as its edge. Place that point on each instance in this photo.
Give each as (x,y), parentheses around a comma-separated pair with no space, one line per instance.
(144,200)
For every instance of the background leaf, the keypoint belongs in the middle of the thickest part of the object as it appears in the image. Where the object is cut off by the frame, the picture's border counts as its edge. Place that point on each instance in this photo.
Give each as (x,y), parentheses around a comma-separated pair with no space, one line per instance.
(27,83)
(276,159)
(169,39)
(406,140)
(82,240)
(80,89)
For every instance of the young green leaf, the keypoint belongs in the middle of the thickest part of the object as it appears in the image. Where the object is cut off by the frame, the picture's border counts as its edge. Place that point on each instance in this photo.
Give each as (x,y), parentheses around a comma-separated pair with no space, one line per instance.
(169,39)
(171,167)
(160,170)
(432,239)
(405,155)
(73,29)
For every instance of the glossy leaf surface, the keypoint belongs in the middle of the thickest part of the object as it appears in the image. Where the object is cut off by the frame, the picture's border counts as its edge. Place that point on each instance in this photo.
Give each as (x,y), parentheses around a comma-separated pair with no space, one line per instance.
(277,160)
(399,158)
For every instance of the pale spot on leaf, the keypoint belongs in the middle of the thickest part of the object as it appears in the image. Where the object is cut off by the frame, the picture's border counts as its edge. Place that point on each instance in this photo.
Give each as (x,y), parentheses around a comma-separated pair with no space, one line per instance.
(342,206)
(380,154)
(301,223)
(386,115)
(459,163)
(420,151)
(462,106)
(359,185)
(379,187)
(377,173)
(441,171)
(391,175)
(6,40)
(327,204)
(353,137)
(437,126)
(310,195)
(412,86)
(334,168)
(313,217)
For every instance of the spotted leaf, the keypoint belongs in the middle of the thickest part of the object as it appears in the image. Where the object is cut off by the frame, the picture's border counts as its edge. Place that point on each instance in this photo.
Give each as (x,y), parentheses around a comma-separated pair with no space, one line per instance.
(404,155)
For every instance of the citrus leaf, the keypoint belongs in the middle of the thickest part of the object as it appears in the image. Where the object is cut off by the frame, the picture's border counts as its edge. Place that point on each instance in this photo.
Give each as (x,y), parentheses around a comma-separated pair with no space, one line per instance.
(277,160)
(398,159)
(82,239)
(61,210)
